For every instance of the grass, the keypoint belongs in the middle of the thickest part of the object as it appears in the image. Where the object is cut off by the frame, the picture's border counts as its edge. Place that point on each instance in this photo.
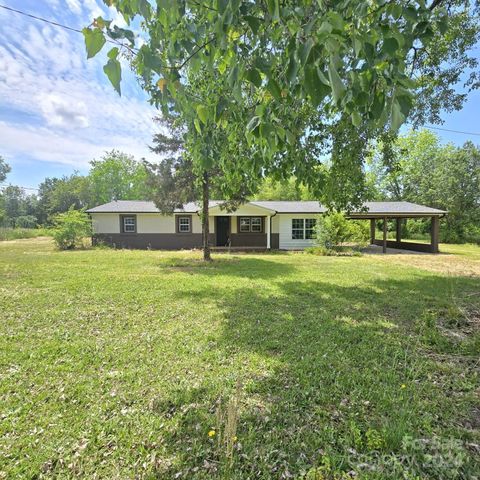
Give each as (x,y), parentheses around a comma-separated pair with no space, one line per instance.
(17,233)
(146,364)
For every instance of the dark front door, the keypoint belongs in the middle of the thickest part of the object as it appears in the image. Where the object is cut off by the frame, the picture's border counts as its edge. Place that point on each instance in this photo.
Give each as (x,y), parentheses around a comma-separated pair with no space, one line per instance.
(222,229)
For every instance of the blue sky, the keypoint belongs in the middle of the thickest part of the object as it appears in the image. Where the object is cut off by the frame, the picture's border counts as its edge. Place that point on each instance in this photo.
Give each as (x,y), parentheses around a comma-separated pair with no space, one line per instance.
(58,111)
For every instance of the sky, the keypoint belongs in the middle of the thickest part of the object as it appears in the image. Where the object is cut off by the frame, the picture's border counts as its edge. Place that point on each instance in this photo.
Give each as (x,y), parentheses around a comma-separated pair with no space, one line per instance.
(58,110)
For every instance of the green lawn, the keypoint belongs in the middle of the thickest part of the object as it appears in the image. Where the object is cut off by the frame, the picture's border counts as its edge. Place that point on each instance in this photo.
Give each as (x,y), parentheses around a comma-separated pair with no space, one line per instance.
(118,364)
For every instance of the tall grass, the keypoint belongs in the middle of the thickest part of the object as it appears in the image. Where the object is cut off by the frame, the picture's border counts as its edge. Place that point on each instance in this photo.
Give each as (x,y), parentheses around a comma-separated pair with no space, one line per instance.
(17,233)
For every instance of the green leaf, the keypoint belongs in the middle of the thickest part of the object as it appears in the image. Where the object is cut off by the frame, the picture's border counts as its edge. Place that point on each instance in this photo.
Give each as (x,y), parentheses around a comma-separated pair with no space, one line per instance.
(357,46)
(274,9)
(397,116)
(94,41)
(338,88)
(202,113)
(198,128)
(396,10)
(113,53)
(316,89)
(253,123)
(390,45)
(356,119)
(144,9)
(113,70)
(254,23)
(292,70)
(254,77)
(305,51)
(274,89)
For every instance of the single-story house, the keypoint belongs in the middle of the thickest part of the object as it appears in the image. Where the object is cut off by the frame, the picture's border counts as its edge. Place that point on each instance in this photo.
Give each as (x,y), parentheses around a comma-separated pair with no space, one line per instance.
(284,225)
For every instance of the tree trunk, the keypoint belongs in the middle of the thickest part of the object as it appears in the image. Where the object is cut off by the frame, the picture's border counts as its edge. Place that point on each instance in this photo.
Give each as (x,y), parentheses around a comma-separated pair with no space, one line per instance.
(205,226)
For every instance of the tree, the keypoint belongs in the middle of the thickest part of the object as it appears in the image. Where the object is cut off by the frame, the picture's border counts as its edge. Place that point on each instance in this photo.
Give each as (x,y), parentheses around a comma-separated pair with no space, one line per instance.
(443,176)
(57,195)
(4,169)
(289,189)
(354,63)
(118,176)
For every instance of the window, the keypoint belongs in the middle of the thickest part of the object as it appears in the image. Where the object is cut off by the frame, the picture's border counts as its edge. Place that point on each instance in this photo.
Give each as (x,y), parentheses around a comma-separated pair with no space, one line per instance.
(129,225)
(245,224)
(250,225)
(303,228)
(310,224)
(298,229)
(256,224)
(184,224)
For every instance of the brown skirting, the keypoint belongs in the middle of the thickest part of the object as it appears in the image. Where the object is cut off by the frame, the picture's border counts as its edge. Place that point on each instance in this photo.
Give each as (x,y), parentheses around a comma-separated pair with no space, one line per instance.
(416,247)
(254,240)
(176,241)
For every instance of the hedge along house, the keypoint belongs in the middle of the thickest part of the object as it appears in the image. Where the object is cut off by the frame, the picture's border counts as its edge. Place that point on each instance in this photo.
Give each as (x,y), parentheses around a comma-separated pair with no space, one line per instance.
(284,225)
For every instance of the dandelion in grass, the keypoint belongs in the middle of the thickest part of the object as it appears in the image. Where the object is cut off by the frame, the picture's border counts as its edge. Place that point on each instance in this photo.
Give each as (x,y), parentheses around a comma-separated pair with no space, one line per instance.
(211,433)
(403,386)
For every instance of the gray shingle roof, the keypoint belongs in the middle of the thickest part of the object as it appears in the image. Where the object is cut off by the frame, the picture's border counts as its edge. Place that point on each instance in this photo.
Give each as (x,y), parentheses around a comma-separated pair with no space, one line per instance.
(374,208)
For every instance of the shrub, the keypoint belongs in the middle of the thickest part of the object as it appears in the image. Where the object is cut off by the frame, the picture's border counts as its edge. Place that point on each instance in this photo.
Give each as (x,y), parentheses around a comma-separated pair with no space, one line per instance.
(335,230)
(70,229)
(26,221)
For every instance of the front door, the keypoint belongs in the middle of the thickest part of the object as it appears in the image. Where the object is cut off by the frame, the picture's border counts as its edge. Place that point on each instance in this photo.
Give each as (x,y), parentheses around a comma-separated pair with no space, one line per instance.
(222,231)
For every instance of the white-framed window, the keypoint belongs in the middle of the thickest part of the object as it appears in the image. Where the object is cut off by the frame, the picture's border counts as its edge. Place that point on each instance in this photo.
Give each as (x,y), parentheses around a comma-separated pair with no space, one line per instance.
(310,224)
(129,225)
(303,228)
(298,229)
(256,224)
(250,224)
(244,224)
(184,224)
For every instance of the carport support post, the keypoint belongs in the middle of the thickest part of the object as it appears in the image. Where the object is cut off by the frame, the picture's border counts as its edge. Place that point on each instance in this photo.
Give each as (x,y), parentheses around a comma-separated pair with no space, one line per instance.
(384,235)
(373,227)
(399,230)
(434,231)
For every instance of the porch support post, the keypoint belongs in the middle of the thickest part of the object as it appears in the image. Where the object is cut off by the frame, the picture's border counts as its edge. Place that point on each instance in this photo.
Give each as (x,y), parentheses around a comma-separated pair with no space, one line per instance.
(399,230)
(268,232)
(384,235)
(434,231)
(373,227)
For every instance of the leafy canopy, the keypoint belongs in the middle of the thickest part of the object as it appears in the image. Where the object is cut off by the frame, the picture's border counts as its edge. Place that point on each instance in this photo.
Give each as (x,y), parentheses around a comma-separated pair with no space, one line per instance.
(349,57)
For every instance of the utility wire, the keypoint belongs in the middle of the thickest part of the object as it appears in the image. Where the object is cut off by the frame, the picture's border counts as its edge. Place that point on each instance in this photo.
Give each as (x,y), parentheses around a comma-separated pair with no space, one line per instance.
(453,131)
(61,25)
(41,19)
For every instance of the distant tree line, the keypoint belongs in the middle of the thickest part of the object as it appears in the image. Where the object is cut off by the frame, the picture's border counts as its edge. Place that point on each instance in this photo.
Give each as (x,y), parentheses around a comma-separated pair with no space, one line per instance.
(115,176)
(417,168)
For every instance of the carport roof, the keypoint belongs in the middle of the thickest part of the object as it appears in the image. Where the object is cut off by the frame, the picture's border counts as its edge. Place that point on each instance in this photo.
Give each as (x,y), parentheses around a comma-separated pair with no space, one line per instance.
(370,209)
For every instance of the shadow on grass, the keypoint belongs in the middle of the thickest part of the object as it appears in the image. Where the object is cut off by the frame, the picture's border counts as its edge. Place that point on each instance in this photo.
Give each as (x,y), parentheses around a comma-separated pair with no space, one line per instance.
(229,266)
(339,373)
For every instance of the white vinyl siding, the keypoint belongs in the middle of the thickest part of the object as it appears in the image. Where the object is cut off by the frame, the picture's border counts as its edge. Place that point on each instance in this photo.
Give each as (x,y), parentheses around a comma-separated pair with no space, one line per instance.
(286,231)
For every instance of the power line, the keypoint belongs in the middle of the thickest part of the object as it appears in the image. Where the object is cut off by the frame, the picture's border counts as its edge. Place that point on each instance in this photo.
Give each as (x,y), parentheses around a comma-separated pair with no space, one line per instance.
(61,25)
(452,131)
(41,19)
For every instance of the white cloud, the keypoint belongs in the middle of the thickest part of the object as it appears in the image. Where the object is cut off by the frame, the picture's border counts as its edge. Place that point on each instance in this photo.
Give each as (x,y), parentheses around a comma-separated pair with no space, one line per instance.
(61,112)
(45,145)
(61,107)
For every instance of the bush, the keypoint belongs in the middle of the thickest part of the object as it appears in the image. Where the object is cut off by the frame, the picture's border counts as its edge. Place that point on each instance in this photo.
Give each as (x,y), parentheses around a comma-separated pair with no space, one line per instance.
(26,221)
(334,230)
(71,228)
